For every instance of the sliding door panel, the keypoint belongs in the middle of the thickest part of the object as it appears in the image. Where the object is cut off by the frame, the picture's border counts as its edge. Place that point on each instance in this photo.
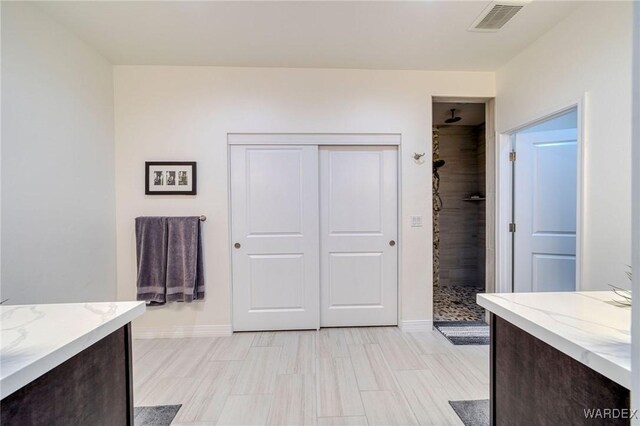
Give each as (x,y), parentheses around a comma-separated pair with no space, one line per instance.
(358,233)
(274,209)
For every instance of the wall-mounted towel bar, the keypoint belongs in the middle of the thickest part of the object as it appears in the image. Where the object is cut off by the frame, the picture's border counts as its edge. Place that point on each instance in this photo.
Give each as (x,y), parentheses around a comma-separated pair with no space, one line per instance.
(202,218)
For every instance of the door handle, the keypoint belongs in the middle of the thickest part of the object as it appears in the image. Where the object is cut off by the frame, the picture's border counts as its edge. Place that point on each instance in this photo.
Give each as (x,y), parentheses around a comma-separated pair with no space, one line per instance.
(392,243)
(237,245)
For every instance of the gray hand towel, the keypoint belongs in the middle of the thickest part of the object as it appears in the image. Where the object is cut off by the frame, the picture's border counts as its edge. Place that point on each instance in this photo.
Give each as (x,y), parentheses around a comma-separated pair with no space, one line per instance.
(151,249)
(185,278)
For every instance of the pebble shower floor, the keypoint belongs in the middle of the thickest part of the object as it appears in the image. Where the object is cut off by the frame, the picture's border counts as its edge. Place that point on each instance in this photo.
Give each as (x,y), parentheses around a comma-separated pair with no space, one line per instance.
(456,303)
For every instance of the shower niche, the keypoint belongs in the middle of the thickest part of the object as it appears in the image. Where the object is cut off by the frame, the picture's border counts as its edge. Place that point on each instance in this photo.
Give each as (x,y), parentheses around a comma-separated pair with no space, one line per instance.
(459,211)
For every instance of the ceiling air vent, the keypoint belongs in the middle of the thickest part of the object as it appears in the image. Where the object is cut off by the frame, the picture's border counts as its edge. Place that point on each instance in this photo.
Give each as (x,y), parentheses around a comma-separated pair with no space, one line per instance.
(496,15)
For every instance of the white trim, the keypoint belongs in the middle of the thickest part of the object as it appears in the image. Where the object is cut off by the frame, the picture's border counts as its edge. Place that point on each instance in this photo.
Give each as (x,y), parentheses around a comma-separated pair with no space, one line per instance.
(321,139)
(399,233)
(503,209)
(373,139)
(415,326)
(229,237)
(176,332)
(504,198)
(460,100)
(491,145)
(490,129)
(581,193)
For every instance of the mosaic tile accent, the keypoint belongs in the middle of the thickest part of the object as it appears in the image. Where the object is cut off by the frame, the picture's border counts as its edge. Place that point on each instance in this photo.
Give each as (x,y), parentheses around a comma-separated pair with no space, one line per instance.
(437,206)
(456,303)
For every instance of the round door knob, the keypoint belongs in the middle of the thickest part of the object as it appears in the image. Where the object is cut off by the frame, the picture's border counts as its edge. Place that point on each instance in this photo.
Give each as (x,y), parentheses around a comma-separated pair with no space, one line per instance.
(237,245)
(392,243)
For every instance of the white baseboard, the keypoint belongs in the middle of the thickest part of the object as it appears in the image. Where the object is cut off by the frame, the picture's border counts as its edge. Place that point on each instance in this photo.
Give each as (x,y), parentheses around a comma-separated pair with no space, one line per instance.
(175,332)
(182,331)
(413,326)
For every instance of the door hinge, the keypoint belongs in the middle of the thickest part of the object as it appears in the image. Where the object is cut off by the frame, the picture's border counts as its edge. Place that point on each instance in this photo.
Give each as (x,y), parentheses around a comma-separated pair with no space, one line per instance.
(512,156)
(512,227)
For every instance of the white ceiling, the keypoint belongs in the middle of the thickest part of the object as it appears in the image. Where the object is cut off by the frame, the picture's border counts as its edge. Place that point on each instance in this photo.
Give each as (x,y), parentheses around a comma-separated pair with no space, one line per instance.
(325,34)
(471,114)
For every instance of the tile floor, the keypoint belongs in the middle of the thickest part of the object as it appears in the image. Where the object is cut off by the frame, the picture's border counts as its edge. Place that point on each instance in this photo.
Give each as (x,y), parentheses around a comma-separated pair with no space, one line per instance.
(337,376)
(456,303)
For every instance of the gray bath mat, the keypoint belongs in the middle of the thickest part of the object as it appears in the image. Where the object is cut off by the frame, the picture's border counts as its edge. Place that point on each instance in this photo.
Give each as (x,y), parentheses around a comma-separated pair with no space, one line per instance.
(464,332)
(473,412)
(160,415)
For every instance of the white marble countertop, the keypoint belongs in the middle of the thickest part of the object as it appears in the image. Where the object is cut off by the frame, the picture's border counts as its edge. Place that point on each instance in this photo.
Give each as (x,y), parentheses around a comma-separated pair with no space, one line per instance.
(37,338)
(591,327)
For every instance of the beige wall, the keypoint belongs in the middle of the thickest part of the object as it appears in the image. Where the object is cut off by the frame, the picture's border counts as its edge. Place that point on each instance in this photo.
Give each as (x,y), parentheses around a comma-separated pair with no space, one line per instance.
(185,113)
(58,190)
(589,51)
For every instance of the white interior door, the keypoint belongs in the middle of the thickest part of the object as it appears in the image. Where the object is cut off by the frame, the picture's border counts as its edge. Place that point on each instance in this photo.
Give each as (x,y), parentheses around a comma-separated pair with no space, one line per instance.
(275,260)
(545,211)
(358,228)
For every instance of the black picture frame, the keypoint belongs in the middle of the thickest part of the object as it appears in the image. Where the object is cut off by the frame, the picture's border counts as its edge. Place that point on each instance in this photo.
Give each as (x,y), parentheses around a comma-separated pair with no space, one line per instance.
(166,166)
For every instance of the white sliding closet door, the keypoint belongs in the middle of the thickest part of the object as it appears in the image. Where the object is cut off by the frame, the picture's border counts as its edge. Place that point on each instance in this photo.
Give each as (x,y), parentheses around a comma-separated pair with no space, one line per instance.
(275,261)
(358,234)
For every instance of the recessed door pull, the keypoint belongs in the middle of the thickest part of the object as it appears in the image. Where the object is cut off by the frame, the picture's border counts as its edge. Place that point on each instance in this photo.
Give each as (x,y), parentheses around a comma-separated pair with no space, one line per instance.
(237,245)
(392,243)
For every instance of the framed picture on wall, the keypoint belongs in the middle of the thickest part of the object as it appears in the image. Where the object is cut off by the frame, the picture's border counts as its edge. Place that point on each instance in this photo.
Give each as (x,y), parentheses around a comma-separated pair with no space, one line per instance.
(170,177)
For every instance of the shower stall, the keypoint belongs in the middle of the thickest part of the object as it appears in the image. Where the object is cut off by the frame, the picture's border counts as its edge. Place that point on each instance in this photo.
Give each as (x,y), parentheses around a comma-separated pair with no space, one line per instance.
(458,187)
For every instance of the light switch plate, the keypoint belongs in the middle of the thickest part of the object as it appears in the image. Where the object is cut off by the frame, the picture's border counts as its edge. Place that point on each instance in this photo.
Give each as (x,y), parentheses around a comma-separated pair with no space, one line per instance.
(416,221)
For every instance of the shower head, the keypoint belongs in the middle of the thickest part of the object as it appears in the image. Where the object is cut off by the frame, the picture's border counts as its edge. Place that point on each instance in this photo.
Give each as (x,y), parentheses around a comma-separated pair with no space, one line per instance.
(437,164)
(453,118)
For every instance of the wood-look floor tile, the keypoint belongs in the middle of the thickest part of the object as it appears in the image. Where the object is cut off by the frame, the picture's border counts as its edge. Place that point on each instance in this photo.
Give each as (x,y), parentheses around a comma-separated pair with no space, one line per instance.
(142,347)
(266,338)
(338,393)
(245,410)
(210,395)
(334,376)
(360,335)
(387,408)
(259,370)
(427,397)
(476,359)
(343,421)
(187,360)
(455,377)
(331,343)
(298,354)
(233,348)
(273,338)
(294,401)
(146,371)
(428,343)
(169,391)
(371,368)
(397,351)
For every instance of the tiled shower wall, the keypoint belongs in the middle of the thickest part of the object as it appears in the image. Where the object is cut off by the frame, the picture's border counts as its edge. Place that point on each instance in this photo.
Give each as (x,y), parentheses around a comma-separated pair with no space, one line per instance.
(462,223)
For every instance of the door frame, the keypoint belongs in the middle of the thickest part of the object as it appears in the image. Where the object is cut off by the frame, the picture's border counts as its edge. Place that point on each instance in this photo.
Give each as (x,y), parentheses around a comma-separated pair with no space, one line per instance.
(504,196)
(491,276)
(319,139)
